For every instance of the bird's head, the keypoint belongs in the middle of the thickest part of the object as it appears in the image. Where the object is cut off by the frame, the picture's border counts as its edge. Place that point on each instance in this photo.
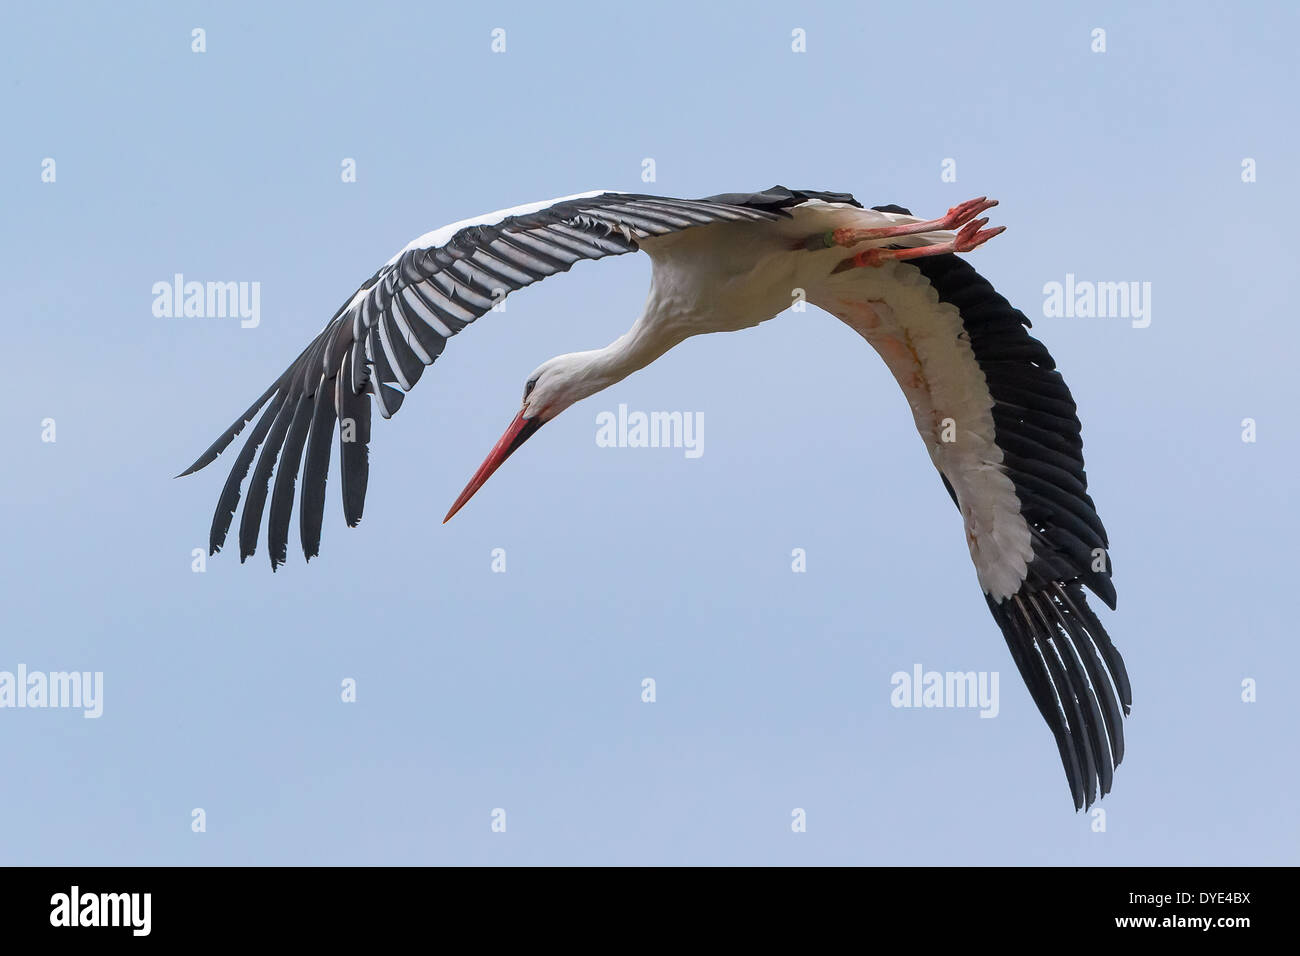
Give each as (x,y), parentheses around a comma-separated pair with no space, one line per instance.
(553,387)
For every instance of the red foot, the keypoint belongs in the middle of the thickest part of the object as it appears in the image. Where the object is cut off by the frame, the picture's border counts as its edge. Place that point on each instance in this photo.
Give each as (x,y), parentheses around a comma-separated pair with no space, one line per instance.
(963,213)
(956,217)
(971,236)
(974,234)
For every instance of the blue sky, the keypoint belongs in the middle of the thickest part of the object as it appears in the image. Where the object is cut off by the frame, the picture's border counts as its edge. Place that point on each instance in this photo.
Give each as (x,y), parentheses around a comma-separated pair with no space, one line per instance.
(522,690)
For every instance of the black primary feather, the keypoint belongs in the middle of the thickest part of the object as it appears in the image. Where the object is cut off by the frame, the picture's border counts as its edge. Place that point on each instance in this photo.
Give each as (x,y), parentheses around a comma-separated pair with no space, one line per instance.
(1073,671)
(376,345)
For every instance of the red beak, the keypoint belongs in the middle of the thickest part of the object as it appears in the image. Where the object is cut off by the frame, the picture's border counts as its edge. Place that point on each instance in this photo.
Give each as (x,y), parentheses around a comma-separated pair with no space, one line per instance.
(518,432)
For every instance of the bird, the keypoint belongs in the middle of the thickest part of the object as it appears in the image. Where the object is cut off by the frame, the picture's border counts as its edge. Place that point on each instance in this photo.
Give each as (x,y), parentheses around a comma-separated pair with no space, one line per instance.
(997,419)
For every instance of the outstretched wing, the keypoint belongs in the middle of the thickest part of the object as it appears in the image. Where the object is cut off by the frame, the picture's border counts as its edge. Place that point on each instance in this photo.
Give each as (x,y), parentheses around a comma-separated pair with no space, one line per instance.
(1001,427)
(378,344)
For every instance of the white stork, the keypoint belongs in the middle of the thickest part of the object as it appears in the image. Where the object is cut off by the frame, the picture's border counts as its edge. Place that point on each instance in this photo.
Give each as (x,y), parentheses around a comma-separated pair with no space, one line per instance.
(996,417)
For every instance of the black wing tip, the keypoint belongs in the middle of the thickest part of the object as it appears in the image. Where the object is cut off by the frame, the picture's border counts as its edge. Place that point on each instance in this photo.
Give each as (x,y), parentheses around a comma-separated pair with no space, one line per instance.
(202,461)
(199,464)
(1076,677)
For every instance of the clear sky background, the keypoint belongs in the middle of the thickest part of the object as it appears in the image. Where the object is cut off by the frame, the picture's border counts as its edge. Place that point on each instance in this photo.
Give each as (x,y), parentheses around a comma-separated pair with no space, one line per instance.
(479,690)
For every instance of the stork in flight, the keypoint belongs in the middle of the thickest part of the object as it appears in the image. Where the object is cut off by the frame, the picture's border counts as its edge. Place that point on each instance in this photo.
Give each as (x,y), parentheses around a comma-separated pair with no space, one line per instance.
(996,417)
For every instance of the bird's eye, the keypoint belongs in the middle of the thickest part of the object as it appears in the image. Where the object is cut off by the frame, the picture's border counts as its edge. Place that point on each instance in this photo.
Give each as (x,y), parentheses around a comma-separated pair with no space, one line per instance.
(528,387)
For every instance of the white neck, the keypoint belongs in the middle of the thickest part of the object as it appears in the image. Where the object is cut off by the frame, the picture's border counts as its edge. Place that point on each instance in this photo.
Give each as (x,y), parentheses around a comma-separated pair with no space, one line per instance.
(633,350)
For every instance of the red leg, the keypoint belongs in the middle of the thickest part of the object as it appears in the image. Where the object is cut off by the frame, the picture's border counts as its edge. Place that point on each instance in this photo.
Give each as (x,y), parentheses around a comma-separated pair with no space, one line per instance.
(972,234)
(955,218)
